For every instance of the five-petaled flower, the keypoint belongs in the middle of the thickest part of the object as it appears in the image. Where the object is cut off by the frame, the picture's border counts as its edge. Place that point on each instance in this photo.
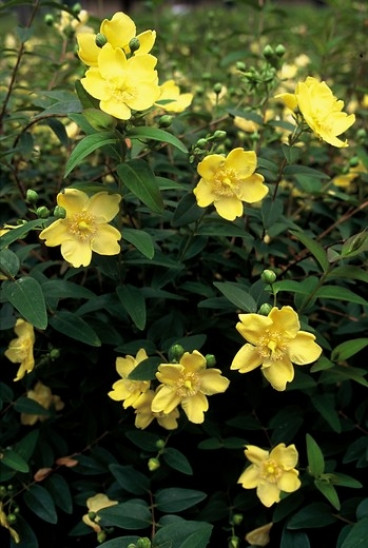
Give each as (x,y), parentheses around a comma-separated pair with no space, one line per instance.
(271,472)
(321,110)
(94,504)
(119,31)
(120,84)
(187,383)
(85,227)
(275,343)
(20,350)
(228,182)
(176,101)
(41,394)
(125,389)
(145,415)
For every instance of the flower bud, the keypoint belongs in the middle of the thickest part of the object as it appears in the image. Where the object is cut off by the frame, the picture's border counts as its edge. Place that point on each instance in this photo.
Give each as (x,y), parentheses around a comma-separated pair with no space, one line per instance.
(176,352)
(153,464)
(101,536)
(54,353)
(219,135)
(132,545)
(43,212)
(32,196)
(202,143)
(237,519)
(134,44)
(217,88)
(268,276)
(100,39)
(144,542)
(2,491)
(234,542)
(240,65)
(165,120)
(49,19)
(11,519)
(59,212)
(265,309)
(280,50)
(77,8)
(361,133)
(354,161)
(160,444)
(268,52)
(211,360)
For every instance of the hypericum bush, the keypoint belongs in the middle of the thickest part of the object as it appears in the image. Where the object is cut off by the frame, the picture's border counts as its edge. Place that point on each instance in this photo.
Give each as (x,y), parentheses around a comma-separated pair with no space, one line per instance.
(156,189)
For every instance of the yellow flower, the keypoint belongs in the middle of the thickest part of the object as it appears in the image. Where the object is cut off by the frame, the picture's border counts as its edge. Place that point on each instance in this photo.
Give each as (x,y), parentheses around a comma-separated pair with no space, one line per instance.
(187,383)
(259,536)
(276,342)
(118,32)
(227,182)
(20,350)
(145,415)
(169,91)
(124,389)
(94,504)
(4,523)
(68,21)
(85,227)
(321,110)
(345,179)
(271,472)
(42,395)
(120,84)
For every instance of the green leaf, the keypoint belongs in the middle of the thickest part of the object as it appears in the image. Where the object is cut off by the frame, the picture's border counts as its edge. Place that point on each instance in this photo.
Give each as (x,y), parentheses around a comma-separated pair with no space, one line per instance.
(340,373)
(328,491)
(9,263)
(355,245)
(129,479)
(326,405)
(86,146)
(187,211)
(127,515)
(73,326)
(59,489)
(20,232)
(218,228)
(237,295)
(141,240)
(343,480)
(297,169)
(294,539)
(120,542)
(29,406)
(144,440)
(138,177)
(145,370)
(134,304)
(316,460)
(339,293)
(25,294)
(26,446)
(62,289)
(27,536)
(347,349)
(271,211)
(177,460)
(184,534)
(357,537)
(39,501)
(290,286)
(156,135)
(14,461)
(176,499)
(314,515)
(349,272)
(314,247)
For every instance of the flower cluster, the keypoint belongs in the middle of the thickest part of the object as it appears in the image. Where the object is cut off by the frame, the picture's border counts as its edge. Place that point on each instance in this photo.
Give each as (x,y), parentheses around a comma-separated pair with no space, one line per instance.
(187,383)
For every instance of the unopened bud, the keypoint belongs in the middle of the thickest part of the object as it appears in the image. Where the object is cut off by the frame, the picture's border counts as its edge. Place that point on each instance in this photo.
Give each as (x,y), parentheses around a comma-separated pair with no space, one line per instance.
(361,133)
(101,536)
(43,212)
(219,135)
(268,52)
(234,542)
(11,519)
(59,212)
(237,519)
(100,39)
(165,120)
(153,464)
(354,161)
(76,9)
(265,309)
(268,276)
(240,65)
(54,353)
(217,88)
(144,542)
(160,444)
(32,196)
(211,360)
(202,143)
(134,44)
(280,50)
(176,352)
(49,19)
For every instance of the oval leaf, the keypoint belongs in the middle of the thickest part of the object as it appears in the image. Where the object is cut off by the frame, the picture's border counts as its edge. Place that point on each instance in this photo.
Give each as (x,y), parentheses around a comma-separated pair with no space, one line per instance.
(134,303)
(127,515)
(141,240)
(39,501)
(141,181)
(157,135)
(25,294)
(74,327)
(86,146)
(176,499)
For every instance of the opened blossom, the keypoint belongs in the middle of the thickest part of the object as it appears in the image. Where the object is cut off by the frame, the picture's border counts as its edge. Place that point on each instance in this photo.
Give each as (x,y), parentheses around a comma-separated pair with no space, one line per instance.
(259,536)
(118,32)
(20,350)
(145,415)
(228,182)
(321,110)
(173,100)
(126,390)
(271,472)
(85,228)
(120,84)
(41,394)
(275,343)
(187,383)
(94,504)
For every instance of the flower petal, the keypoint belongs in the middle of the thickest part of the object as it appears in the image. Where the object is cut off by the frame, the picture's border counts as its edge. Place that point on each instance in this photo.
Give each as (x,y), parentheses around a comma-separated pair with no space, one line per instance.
(250,477)
(286,457)
(119,31)
(242,162)
(209,165)
(169,373)
(72,200)
(302,349)
(268,493)
(212,382)
(194,407)
(106,240)
(124,366)
(165,400)
(285,321)
(56,233)
(88,50)
(253,327)
(256,455)
(289,481)
(104,206)
(204,193)
(116,108)
(252,189)
(112,63)
(193,361)
(76,252)
(289,99)
(246,359)
(146,42)
(96,85)
(278,373)
(229,208)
